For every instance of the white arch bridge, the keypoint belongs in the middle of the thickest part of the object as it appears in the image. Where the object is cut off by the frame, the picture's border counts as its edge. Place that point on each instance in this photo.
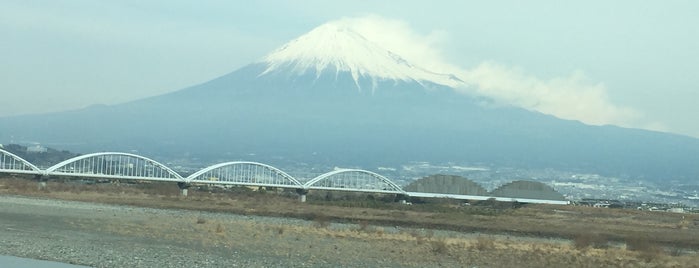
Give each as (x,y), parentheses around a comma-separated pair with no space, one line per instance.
(125,166)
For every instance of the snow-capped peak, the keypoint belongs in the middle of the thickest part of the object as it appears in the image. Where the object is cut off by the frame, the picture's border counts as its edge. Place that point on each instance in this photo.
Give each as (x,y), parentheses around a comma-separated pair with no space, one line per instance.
(335,46)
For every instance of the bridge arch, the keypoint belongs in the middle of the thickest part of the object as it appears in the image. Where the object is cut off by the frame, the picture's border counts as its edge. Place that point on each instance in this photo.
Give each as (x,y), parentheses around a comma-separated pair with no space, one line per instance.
(115,165)
(354,180)
(12,163)
(244,173)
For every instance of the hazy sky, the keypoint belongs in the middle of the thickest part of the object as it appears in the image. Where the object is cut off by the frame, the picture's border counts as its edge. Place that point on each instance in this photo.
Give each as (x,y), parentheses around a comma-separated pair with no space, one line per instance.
(617,62)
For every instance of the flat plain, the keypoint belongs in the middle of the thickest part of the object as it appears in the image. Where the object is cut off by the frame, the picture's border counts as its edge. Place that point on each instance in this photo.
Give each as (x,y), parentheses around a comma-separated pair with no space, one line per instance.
(150,225)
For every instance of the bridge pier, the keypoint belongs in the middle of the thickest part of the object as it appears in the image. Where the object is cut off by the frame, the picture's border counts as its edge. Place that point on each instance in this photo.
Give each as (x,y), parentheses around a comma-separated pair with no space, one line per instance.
(401,198)
(302,194)
(41,182)
(184,188)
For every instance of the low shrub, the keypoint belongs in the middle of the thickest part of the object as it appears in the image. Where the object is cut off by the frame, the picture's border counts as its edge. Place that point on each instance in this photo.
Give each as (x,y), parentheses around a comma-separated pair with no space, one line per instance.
(590,240)
(484,243)
(440,247)
(648,251)
(321,221)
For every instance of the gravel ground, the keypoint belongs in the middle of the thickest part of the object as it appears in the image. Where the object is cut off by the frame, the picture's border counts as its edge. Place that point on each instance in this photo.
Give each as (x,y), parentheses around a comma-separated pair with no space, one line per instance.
(44,229)
(101,235)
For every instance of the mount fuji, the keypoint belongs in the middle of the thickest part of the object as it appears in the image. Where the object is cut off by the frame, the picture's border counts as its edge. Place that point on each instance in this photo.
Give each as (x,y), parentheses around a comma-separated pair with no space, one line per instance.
(334,97)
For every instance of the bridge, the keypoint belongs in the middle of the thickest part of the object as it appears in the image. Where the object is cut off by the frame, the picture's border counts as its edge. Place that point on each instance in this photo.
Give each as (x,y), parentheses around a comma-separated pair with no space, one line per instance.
(125,166)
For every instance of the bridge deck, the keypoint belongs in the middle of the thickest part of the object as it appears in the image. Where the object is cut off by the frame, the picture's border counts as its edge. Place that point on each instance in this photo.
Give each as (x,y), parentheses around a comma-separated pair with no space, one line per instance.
(482,197)
(116,165)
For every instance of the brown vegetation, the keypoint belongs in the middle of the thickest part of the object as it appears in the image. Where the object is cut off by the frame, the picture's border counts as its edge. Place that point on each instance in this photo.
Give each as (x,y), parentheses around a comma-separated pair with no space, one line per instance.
(509,235)
(590,240)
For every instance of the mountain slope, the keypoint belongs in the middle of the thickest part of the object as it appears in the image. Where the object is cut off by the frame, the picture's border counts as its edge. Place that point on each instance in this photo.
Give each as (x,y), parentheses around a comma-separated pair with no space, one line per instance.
(310,101)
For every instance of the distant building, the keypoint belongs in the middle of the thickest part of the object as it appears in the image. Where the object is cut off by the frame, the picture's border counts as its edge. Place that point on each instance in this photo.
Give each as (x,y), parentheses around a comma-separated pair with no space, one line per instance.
(36,149)
(676,210)
(602,203)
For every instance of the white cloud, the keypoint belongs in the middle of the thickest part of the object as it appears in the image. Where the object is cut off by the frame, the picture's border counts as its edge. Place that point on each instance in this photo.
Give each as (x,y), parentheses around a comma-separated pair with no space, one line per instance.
(572,97)
(400,38)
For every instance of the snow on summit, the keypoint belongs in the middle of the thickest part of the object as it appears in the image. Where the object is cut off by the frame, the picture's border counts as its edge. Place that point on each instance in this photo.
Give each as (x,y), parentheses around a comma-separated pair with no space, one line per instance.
(337,47)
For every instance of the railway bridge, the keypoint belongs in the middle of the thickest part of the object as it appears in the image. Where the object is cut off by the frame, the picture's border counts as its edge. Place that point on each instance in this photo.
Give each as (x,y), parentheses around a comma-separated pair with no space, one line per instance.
(126,166)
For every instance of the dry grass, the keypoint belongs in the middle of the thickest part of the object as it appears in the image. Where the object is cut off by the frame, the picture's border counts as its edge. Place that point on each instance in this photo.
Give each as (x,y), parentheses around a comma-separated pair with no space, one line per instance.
(484,243)
(440,247)
(483,250)
(219,228)
(587,240)
(598,237)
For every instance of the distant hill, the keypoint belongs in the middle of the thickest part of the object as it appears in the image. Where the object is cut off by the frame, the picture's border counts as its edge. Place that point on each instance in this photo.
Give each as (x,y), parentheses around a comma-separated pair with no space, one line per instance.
(41,157)
(333,98)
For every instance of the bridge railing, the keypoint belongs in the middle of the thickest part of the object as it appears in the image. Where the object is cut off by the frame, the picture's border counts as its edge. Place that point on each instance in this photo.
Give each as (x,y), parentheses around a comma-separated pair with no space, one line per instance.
(12,163)
(115,165)
(356,180)
(244,173)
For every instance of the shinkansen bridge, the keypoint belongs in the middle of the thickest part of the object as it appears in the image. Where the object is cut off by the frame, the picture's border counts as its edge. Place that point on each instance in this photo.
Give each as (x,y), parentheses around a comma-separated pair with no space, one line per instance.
(126,166)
